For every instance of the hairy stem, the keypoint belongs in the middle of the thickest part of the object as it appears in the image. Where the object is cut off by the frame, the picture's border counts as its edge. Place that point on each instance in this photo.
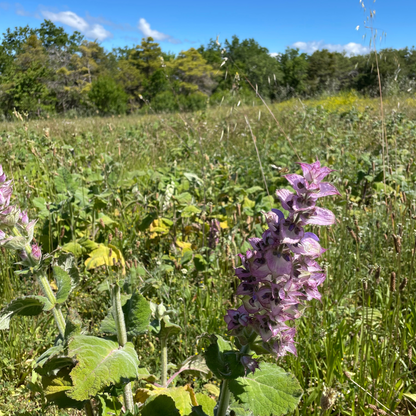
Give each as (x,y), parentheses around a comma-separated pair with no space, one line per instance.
(224,399)
(57,313)
(89,409)
(164,360)
(122,340)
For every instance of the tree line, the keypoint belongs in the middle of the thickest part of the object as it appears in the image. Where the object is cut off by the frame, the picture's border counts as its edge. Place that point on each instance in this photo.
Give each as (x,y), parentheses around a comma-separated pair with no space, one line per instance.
(46,70)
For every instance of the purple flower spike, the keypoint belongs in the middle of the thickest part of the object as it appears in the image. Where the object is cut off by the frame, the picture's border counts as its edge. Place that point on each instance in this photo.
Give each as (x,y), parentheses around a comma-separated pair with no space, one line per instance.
(280,274)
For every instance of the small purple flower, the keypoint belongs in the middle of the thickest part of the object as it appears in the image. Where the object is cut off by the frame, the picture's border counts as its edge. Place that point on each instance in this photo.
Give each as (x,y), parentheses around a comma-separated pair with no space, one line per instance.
(236,318)
(249,363)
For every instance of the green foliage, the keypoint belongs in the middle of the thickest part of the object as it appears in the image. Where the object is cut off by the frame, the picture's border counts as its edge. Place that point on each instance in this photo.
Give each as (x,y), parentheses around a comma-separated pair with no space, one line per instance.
(136,316)
(26,306)
(269,391)
(139,175)
(100,363)
(107,96)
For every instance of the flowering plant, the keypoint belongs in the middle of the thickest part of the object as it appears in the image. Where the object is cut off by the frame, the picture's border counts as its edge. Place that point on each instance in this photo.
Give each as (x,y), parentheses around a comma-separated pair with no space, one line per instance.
(278,276)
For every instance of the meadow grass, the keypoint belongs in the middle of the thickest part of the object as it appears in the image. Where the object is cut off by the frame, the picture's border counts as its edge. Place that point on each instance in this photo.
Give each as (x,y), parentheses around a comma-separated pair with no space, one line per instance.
(151,184)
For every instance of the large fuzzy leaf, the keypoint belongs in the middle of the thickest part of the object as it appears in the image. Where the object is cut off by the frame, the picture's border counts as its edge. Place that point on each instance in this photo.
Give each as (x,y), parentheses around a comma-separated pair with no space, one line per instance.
(101,363)
(26,306)
(269,391)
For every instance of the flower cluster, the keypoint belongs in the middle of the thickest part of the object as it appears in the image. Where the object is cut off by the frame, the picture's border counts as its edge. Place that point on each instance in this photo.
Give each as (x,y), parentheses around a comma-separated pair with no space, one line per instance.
(281,273)
(16,231)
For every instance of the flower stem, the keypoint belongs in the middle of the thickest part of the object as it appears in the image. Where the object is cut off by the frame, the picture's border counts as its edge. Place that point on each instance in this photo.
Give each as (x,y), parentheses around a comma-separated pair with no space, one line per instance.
(164,360)
(88,408)
(122,340)
(57,313)
(224,399)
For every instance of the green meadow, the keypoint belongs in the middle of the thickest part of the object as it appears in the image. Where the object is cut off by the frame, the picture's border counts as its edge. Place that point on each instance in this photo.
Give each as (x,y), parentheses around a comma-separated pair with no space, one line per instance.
(149,186)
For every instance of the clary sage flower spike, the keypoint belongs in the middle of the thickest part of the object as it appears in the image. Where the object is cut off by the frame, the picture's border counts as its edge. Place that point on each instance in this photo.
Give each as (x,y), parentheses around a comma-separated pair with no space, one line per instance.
(16,231)
(280,274)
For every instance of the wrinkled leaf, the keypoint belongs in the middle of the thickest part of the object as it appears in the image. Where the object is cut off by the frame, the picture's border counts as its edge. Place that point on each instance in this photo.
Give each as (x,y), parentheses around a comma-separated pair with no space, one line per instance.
(101,363)
(269,391)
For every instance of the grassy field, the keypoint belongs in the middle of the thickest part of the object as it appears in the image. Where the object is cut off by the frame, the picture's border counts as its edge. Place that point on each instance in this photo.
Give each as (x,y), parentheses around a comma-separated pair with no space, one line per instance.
(152,184)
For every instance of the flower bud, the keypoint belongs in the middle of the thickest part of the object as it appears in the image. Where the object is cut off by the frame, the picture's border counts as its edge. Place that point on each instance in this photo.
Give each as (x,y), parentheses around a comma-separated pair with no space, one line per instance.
(36,252)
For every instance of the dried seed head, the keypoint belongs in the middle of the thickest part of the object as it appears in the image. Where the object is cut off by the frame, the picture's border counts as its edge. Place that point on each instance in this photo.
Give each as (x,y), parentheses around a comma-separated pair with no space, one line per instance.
(403,284)
(110,252)
(328,398)
(397,243)
(114,261)
(393,282)
(410,352)
(62,233)
(377,275)
(378,224)
(102,223)
(110,237)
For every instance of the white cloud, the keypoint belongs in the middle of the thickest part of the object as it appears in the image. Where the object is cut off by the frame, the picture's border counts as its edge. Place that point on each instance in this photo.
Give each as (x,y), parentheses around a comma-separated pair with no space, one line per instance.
(349,48)
(71,19)
(274,54)
(148,32)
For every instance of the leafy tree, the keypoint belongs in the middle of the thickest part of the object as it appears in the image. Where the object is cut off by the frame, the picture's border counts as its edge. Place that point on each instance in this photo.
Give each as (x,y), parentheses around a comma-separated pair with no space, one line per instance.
(107,96)
(294,66)
(191,73)
(24,83)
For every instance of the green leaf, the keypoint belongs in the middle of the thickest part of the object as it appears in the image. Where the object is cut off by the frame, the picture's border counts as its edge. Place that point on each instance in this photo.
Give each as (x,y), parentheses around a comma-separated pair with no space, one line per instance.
(26,306)
(40,204)
(147,220)
(184,198)
(136,316)
(187,257)
(101,363)
(181,396)
(55,388)
(207,403)
(189,211)
(75,248)
(109,405)
(197,411)
(160,406)
(254,189)
(410,396)
(64,283)
(222,360)
(64,182)
(269,391)
(47,355)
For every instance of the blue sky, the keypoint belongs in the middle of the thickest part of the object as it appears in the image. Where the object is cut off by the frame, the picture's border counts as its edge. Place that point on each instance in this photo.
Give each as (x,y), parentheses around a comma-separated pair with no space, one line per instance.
(307,24)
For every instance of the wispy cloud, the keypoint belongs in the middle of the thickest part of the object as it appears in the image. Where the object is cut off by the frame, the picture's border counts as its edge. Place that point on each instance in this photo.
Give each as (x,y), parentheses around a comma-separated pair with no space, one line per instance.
(4,6)
(21,11)
(349,48)
(71,19)
(148,32)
